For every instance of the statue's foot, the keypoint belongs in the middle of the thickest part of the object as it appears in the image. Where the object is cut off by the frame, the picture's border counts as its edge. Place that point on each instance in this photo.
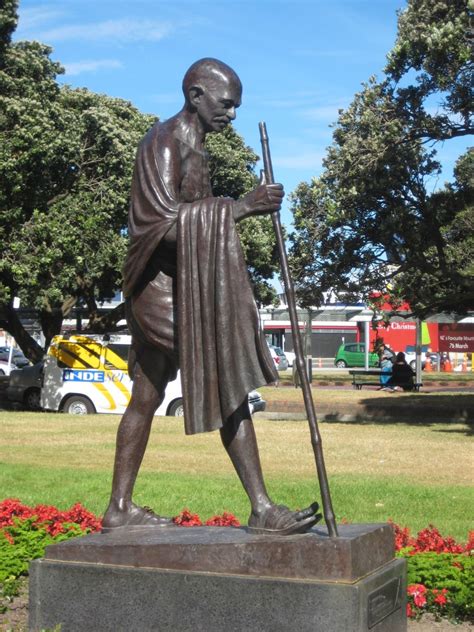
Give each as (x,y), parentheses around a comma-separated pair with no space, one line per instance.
(279,520)
(132,516)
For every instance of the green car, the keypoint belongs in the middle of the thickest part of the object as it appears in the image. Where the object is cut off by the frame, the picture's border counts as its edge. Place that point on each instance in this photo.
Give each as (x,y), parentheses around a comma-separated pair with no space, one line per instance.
(353,354)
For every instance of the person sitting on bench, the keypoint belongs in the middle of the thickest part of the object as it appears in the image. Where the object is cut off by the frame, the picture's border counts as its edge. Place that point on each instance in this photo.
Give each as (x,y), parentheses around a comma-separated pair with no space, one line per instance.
(402,374)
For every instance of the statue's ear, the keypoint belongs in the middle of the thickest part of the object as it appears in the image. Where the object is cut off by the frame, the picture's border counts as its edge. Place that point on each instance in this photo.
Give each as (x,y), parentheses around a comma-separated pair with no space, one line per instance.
(195,93)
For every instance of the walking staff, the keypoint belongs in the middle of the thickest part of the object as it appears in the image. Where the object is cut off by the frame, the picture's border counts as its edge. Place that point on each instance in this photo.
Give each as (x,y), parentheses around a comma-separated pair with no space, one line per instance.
(290,298)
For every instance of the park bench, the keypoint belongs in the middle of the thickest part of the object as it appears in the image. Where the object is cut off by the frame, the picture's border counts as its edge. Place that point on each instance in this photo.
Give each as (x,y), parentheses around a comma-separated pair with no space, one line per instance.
(371,377)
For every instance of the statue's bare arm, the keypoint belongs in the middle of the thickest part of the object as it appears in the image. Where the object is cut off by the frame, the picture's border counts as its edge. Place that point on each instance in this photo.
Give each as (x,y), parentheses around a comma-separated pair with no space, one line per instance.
(169,159)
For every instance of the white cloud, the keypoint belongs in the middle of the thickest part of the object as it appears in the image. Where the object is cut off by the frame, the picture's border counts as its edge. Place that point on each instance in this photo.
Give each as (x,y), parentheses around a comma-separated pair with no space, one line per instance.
(303,160)
(121,31)
(91,65)
(327,113)
(32,17)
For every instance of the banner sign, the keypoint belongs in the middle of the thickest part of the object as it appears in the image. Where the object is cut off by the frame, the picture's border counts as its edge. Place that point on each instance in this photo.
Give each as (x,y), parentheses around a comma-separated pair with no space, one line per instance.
(456,337)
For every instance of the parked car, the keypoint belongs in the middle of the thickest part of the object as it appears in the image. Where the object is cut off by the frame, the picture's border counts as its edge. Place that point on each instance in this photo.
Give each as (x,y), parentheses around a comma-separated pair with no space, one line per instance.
(256,404)
(5,368)
(17,358)
(353,354)
(291,357)
(24,386)
(410,356)
(279,358)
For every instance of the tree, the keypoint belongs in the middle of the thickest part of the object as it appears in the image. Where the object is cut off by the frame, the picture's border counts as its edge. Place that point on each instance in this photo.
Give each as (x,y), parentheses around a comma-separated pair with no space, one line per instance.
(28,114)
(66,161)
(8,21)
(435,39)
(372,220)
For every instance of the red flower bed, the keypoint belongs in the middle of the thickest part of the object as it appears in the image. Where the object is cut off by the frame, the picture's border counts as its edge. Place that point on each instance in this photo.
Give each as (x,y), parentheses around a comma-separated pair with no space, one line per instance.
(427,591)
(48,517)
(226,520)
(429,540)
(56,522)
(433,595)
(188,519)
(421,598)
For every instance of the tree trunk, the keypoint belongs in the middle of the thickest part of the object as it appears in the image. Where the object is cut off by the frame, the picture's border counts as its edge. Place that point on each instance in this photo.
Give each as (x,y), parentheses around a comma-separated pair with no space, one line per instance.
(51,323)
(102,323)
(10,321)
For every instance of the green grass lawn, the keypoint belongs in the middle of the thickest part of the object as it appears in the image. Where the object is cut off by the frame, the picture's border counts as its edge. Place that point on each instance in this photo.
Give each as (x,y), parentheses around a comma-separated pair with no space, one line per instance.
(413,474)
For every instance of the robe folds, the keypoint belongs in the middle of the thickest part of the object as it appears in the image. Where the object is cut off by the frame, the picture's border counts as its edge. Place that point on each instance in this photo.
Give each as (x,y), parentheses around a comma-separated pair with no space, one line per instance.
(195,304)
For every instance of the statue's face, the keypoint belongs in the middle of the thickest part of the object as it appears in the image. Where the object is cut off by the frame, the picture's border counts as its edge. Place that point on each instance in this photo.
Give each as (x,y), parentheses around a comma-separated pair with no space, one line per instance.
(217,104)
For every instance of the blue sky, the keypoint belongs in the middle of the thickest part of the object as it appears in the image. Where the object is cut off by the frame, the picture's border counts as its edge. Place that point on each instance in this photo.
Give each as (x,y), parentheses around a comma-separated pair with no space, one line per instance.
(299,60)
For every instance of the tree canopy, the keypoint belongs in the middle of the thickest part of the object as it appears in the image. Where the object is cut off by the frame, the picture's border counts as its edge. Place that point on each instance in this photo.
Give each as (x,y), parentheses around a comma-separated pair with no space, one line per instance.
(375,220)
(66,161)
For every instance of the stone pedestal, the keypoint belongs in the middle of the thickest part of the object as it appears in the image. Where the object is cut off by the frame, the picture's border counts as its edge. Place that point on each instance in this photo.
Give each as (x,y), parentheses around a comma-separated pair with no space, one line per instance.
(212,579)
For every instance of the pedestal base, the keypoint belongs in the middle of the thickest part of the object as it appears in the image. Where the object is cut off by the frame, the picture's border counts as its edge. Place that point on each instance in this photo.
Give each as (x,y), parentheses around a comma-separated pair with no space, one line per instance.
(115,593)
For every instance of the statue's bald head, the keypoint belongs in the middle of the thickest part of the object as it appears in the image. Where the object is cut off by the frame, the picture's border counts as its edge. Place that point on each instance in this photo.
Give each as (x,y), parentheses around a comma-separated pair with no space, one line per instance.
(208,73)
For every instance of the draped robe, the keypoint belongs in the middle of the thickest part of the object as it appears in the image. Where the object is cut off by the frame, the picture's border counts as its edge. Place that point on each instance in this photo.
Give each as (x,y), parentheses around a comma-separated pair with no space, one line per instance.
(195,302)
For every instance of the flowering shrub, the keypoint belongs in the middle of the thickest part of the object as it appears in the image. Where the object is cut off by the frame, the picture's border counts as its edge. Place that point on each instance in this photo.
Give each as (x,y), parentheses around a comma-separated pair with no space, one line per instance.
(429,540)
(441,583)
(440,573)
(25,532)
(188,519)
(440,570)
(25,541)
(422,599)
(226,520)
(47,517)
(402,537)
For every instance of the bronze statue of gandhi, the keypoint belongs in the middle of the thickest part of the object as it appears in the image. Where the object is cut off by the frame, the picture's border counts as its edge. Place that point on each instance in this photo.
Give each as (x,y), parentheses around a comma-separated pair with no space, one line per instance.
(190,303)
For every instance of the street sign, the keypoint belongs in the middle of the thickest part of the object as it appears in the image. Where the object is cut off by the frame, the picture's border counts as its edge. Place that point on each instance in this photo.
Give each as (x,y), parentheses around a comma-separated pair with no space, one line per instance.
(456,337)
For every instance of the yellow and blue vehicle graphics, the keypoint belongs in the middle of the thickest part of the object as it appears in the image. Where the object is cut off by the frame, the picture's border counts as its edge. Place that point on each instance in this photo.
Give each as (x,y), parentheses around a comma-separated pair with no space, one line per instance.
(92,366)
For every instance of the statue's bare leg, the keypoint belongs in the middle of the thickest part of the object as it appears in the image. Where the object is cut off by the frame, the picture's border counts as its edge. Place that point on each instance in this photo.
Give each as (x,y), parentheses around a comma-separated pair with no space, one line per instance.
(238,437)
(132,439)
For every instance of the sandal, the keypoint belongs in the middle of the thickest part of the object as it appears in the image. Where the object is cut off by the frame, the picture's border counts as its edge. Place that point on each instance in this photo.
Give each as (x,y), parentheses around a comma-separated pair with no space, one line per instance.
(138,517)
(279,520)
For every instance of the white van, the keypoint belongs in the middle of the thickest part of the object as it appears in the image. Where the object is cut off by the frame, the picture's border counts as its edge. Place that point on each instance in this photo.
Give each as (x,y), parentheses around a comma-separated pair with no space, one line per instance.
(89,374)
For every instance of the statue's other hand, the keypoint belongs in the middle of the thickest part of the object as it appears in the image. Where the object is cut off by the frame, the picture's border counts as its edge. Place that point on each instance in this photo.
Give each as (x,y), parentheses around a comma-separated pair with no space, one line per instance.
(266,198)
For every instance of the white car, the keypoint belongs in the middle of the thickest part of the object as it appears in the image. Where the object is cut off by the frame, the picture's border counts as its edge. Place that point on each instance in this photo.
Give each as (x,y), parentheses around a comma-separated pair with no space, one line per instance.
(16,356)
(410,356)
(5,368)
(176,409)
(279,358)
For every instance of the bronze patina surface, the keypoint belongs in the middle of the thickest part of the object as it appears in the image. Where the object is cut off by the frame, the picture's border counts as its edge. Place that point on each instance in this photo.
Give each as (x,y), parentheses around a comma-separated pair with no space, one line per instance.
(360,550)
(190,303)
